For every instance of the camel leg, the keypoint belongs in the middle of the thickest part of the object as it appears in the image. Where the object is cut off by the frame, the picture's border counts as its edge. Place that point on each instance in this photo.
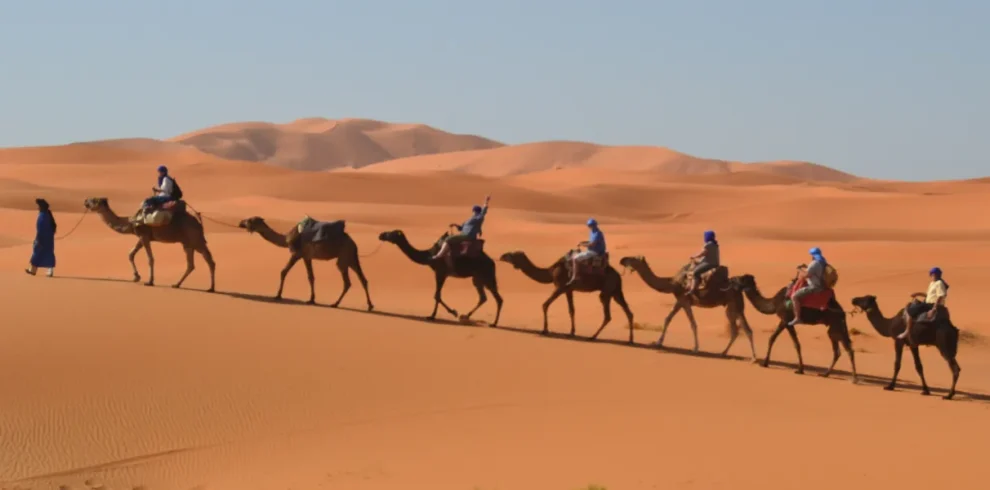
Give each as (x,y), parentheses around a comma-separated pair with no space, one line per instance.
(492,285)
(151,263)
(773,338)
(441,279)
(285,272)
(620,298)
(947,341)
(898,355)
(836,354)
(312,280)
(190,266)
(607,313)
(730,315)
(840,335)
(916,354)
(345,277)
(356,265)
(208,258)
(137,248)
(744,323)
(797,347)
(546,306)
(570,309)
(666,322)
(479,286)
(694,325)
(954,366)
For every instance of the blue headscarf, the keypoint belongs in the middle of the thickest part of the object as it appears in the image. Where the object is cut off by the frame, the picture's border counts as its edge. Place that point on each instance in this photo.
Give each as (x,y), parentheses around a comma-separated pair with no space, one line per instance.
(935,271)
(816,253)
(162,173)
(710,236)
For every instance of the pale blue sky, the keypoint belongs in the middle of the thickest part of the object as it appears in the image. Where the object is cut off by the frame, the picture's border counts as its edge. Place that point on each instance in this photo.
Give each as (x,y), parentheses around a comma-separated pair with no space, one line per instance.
(882,88)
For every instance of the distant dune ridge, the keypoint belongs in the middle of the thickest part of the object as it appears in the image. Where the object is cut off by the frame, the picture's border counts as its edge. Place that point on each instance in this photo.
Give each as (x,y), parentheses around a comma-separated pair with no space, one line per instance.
(324,144)
(318,144)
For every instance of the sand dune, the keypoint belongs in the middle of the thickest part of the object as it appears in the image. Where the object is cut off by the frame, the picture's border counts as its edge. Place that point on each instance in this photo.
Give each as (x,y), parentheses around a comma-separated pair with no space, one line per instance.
(322,144)
(109,384)
(556,155)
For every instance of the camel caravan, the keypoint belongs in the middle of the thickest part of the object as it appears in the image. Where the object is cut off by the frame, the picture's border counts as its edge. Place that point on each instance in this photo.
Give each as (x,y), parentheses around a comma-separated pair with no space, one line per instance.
(703,282)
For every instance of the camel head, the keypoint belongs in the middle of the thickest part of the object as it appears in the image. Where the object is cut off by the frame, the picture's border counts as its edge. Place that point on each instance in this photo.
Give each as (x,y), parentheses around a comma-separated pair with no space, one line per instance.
(515,258)
(628,262)
(742,283)
(393,236)
(252,224)
(96,203)
(865,303)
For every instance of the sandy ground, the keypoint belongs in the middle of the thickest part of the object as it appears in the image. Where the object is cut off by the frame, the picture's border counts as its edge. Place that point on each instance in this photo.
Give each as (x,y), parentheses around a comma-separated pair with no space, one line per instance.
(109,384)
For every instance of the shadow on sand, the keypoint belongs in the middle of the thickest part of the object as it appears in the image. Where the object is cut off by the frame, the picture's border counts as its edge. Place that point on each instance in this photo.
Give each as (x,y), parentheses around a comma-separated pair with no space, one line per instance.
(837,374)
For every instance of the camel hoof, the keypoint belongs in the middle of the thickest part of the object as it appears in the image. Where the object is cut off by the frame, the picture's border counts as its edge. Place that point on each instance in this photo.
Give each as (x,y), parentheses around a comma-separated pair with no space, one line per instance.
(311,302)
(371,307)
(799,371)
(335,305)
(431,318)
(149,284)
(592,339)
(888,388)
(211,290)
(926,393)
(765,364)
(855,381)
(823,375)
(949,396)
(175,286)
(137,278)
(545,332)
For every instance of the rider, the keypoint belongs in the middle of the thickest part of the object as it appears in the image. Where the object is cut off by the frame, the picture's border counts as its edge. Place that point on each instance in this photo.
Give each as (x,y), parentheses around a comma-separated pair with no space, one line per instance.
(468,231)
(917,311)
(594,247)
(164,191)
(707,260)
(815,276)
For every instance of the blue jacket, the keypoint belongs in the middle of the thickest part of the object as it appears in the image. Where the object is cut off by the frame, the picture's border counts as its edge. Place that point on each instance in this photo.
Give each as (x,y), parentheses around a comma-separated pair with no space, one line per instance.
(596,241)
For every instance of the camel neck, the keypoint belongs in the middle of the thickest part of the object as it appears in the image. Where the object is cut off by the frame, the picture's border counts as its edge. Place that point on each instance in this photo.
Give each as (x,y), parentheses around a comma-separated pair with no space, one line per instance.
(883,325)
(661,284)
(116,223)
(767,306)
(421,257)
(272,236)
(538,274)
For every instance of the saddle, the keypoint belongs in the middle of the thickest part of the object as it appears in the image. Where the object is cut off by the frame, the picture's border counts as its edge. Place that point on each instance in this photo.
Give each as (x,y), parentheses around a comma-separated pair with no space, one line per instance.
(818,300)
(717,277)
(593,266)
(160,216)
(468,248)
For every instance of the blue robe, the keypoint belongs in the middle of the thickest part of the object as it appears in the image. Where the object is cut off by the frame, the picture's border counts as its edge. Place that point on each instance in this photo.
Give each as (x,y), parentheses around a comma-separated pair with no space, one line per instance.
(43,254)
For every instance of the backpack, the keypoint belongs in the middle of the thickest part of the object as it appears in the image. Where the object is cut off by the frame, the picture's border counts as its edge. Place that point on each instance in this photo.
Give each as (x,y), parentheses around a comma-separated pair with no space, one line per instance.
(176,190)
(830,276)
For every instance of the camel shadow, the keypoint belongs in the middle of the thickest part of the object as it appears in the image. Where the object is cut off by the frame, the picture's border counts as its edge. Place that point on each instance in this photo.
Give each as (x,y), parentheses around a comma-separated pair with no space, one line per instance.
(869,379)
(100,279)
(837,374)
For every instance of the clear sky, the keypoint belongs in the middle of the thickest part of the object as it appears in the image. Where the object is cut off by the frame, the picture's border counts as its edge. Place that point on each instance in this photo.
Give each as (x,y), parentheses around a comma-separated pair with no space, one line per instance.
(881,88)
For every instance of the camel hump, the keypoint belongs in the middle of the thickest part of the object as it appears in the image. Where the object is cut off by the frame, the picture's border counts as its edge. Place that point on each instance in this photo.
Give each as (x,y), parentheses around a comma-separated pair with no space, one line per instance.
(162,216)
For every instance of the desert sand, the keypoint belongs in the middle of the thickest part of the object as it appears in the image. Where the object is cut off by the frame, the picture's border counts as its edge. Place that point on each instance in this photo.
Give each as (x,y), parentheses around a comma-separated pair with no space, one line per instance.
(109,384)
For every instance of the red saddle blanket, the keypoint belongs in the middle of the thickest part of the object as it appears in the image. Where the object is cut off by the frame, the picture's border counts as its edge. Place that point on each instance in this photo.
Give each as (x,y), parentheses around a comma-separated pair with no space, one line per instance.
(818,300)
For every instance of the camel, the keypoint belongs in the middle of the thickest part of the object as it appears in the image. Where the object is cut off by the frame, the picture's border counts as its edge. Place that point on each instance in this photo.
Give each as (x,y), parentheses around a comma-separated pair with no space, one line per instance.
(341,248)
(558,274)
(714,297)
(942,334)
(833,317)
(184,228)
(480,268)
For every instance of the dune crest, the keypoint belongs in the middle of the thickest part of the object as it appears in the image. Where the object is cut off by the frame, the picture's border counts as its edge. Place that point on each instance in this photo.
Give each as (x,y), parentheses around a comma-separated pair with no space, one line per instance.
(532,158)
(322,144)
